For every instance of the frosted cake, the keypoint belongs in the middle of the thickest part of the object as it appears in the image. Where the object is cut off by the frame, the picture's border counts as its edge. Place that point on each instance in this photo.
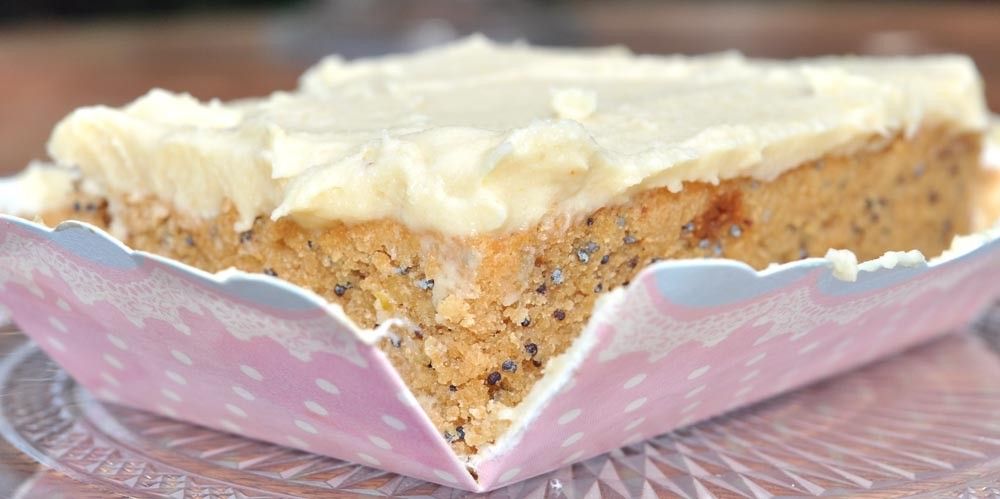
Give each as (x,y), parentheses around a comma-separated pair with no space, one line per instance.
(486,195)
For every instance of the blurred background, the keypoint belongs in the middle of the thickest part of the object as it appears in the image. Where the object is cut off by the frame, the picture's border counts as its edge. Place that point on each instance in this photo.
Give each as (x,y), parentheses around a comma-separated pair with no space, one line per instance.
(56,55)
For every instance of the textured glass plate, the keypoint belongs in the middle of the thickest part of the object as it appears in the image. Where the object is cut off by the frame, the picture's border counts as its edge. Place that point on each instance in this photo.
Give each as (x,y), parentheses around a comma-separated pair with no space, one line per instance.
(923,423)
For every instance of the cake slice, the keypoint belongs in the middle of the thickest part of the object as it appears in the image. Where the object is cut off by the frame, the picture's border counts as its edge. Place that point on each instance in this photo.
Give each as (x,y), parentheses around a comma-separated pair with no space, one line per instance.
(488,194)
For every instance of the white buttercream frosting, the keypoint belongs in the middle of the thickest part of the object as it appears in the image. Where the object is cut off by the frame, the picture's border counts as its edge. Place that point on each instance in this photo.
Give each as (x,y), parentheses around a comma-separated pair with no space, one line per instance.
(845,267)
(38,187)
(477,137)
(843,263)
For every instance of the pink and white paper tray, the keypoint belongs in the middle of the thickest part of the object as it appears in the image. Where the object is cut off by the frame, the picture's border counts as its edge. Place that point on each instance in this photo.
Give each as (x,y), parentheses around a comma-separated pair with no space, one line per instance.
(254,355)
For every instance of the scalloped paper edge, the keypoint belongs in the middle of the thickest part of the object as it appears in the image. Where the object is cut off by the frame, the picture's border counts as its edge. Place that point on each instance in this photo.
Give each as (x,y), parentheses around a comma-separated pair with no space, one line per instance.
(873,274)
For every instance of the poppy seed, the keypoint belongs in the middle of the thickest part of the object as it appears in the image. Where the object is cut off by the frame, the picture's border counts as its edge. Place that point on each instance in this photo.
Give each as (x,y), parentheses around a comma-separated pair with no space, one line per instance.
(557,276)
(559,314)
(493,378)
(509,366)
(531,348)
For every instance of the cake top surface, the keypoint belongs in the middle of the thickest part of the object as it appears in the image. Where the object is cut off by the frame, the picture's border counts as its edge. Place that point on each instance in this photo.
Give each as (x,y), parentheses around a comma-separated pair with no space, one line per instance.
(476,137)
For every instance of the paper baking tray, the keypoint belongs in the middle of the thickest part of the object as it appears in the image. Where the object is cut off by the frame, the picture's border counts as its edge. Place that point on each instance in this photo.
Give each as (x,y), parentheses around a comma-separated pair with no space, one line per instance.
(253,355)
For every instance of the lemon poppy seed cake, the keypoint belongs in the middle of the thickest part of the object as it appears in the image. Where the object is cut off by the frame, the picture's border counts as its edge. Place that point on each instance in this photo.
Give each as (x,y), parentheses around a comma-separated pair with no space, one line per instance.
(489,194)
